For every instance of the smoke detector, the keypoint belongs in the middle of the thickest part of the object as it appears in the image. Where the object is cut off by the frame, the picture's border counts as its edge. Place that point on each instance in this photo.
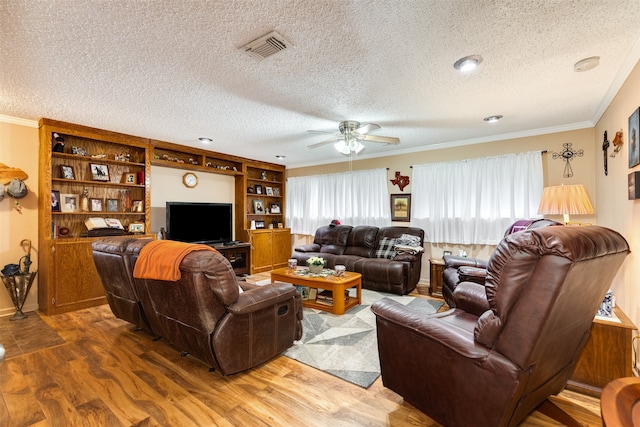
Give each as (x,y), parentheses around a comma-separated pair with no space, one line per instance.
(267,45)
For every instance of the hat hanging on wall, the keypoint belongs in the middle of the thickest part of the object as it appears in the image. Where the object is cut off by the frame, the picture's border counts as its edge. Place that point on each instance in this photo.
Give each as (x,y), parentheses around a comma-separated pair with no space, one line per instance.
(17,189)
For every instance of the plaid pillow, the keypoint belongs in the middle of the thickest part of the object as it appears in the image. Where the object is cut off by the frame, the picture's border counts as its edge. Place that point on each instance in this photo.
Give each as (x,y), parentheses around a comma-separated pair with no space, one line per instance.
(408,240)
(385,248)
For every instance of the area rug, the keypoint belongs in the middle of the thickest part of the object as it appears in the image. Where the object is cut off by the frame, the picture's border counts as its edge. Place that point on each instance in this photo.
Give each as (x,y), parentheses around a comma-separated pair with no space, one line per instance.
(346,346)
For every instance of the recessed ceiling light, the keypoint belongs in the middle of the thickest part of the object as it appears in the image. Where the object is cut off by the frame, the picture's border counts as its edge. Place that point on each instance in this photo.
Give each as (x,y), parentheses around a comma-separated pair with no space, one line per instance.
(492,119)
(205,140)
(467,63)
(280,156)
(586,64)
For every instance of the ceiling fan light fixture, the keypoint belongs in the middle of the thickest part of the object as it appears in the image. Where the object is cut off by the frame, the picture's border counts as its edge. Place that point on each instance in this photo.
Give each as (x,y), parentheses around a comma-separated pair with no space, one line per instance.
(468,63)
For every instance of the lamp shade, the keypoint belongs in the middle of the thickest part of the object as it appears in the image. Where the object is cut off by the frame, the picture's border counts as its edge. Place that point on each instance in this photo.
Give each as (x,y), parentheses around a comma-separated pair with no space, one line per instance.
(565,200)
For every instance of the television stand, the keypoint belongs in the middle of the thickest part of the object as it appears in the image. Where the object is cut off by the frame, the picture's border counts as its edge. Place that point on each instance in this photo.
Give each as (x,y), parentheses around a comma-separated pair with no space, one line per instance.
(237,254)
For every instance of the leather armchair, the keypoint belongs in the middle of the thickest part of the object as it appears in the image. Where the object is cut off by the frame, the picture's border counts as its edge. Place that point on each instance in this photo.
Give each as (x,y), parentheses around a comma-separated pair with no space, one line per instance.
(508,344)
(461,269)
(204,313)
(116,272)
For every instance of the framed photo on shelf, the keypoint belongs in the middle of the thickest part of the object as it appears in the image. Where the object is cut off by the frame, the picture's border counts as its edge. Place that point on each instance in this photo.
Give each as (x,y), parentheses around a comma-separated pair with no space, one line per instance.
(136,227)
(268,191)
(258,189)
(634,133)
(401,207)
(258,206)
(129,178)
(250,190)
(113,205)
(55,201)
(69,202)
(136,206)
(66,172)
(99,172)
(260,224)
(276,191)
(275,208)
(96,205)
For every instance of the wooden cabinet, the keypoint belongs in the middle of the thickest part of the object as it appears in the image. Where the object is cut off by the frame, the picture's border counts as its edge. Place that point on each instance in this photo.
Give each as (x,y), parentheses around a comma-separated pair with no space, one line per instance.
(238,255)
(113,171)
(263,191)
(435,278)
(120,188)
(607,355)
(177,156)
(270,249)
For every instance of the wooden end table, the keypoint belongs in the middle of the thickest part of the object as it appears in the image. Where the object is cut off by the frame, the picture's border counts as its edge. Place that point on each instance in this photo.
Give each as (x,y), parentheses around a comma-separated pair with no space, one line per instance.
(337,285)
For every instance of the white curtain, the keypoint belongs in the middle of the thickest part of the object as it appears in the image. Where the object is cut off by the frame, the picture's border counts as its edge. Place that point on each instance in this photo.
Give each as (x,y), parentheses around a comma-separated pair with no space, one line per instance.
(475,201)
(353,198)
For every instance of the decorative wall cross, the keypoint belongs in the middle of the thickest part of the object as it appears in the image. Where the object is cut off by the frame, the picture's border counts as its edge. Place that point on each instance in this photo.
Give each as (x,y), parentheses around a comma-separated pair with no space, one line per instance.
(567,154)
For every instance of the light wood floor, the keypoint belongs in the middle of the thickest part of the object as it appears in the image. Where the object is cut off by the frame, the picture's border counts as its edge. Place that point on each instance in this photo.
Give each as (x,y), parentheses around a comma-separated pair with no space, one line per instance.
(107,374)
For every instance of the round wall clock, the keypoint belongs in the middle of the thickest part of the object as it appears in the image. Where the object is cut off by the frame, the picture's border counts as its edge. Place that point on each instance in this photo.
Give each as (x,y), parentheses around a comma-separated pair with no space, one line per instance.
(190,179)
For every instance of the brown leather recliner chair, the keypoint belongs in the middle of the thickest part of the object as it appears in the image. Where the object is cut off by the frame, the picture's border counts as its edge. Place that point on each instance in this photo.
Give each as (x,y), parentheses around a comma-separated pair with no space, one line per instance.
(510,343)
(462,269)
(204,313)
(115,269)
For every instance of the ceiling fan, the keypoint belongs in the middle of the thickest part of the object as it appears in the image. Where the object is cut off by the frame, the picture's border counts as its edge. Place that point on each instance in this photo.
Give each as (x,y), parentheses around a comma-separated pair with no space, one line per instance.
(351,135)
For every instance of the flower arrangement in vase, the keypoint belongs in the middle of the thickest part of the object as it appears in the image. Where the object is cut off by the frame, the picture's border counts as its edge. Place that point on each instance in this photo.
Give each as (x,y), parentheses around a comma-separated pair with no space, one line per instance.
(315,264)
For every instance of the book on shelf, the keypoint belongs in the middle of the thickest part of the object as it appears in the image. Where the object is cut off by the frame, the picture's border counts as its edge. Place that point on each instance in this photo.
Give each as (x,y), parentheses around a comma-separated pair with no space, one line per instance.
(326,296)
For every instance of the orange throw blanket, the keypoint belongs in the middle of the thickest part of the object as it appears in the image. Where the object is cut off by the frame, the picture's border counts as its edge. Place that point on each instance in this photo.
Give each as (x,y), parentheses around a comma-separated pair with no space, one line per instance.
(160,259)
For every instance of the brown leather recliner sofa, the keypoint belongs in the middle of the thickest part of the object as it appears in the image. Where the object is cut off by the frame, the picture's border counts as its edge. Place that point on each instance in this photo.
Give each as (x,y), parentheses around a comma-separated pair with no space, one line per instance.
(359,250)
(203,313)
(462,269)
(510,343)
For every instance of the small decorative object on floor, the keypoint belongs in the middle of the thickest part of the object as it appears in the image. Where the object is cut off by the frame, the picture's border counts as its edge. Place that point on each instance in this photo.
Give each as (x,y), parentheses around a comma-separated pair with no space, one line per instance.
(315,264)
(18,280)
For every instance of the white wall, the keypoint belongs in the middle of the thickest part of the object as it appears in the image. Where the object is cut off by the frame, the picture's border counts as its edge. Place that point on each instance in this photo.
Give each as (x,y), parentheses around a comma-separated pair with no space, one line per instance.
(167,186)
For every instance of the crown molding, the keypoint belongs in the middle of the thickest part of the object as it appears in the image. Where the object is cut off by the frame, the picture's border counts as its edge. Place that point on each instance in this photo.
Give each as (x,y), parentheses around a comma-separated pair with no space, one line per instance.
(18,121)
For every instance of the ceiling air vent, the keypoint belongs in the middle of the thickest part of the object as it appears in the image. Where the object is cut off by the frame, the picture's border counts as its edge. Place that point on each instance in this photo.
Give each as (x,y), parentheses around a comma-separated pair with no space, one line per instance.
(266,45)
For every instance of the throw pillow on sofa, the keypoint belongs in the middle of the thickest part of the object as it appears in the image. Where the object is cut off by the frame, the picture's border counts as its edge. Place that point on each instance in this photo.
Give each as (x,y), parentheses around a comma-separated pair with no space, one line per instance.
(408,240)
(385,248)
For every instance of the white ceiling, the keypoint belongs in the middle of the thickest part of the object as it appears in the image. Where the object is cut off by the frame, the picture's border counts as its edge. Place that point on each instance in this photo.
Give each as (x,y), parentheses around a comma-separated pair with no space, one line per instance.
(174,71)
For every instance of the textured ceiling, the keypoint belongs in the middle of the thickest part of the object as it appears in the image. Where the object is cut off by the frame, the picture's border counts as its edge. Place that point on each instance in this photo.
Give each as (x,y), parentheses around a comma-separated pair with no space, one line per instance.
(174,71)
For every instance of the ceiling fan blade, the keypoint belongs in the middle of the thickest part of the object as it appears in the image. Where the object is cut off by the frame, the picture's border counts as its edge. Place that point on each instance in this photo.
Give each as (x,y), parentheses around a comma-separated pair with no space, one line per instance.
(377,138)
(367,127)
(320,144)
(322,131)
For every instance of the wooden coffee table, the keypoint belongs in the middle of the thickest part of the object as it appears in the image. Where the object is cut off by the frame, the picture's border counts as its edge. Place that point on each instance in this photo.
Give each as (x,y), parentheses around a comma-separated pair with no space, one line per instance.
(337,285)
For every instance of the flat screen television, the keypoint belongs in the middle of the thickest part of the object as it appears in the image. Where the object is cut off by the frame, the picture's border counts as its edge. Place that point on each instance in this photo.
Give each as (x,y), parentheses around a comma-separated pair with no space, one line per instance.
(200,222)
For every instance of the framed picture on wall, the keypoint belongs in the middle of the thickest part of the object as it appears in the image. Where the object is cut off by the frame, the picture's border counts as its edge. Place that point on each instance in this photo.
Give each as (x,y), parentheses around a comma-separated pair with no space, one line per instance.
(401,207)
(634,146)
